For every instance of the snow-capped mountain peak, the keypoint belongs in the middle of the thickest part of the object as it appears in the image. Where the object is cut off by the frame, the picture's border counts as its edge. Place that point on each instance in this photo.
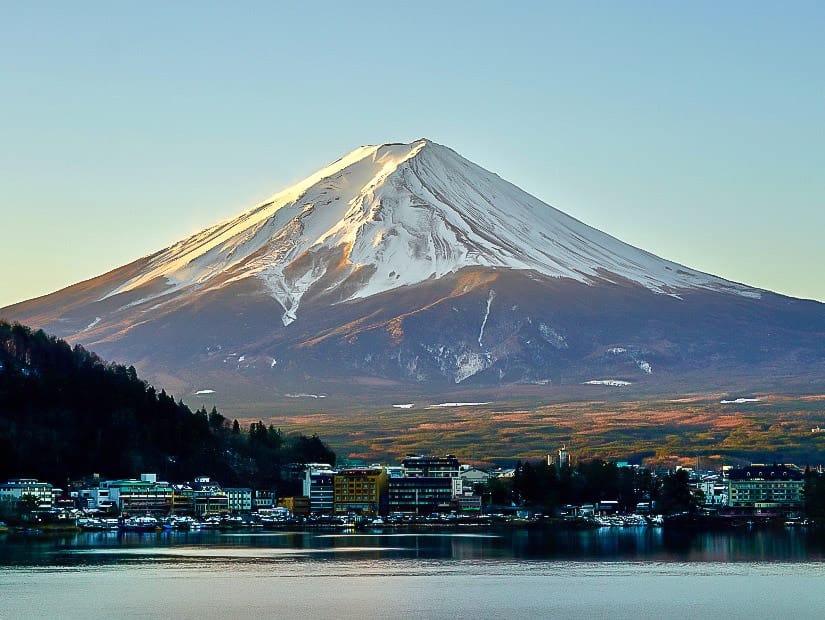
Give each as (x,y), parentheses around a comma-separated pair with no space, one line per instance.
(386,216)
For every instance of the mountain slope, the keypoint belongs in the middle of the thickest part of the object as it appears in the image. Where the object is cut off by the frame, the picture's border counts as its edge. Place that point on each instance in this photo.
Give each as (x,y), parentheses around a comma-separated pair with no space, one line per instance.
(408,264)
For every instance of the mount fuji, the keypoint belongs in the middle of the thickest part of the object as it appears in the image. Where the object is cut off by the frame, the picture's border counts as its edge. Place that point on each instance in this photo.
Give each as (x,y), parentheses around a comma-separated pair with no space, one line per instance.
(407,267)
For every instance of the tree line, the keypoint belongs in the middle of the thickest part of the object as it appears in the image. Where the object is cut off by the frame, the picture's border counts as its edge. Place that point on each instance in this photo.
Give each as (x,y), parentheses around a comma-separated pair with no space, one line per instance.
(546,487)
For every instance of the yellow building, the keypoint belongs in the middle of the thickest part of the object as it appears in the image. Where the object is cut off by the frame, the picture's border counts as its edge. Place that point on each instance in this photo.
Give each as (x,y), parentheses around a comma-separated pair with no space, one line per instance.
(361,491)
(298,505)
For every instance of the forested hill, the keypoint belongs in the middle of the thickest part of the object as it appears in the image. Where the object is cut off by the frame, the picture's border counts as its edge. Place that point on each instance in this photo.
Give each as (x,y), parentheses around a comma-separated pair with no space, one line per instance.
(65,413)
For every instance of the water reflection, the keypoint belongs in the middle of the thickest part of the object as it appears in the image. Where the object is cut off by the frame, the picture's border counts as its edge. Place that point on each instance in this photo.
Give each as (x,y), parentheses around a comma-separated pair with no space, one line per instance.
(605,544)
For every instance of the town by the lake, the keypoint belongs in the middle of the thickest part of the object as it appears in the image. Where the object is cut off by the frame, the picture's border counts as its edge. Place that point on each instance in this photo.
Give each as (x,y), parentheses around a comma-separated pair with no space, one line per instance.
(427,491)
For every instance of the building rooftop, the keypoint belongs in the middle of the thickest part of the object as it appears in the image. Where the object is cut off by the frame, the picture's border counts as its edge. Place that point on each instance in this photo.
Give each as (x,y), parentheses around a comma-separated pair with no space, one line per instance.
(767,472)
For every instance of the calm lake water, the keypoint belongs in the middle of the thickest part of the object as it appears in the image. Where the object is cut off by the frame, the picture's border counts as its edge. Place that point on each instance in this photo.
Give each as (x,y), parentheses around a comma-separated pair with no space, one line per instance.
(606,573)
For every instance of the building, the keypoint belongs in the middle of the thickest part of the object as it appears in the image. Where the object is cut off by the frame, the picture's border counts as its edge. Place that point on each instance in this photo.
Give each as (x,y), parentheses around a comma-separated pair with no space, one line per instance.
(96,497)
(208,497)
(183,499)
(263,499)
(564,457)
(88,493)
(419,466)
(144,495)
(240,499)
(766,488)
(472,476)
(419,496)
(714,490)
(360,491)
(468,503)
(394,471)
(319,487)
(297,505)
(17,488)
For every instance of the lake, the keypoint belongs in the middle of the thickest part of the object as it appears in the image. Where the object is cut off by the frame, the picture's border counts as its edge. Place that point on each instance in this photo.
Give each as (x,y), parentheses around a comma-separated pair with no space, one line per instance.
(605,573)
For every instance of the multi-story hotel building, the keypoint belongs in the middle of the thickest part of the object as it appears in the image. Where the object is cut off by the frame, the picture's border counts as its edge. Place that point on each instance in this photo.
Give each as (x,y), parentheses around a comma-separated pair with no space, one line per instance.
(418,466)
(319,487)
(420,496)
(16,489)
(766,487)
(144,495)
(360,490)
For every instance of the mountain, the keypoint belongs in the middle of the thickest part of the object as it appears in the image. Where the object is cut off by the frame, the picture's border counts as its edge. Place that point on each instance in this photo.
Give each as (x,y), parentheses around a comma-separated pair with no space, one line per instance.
(405,267)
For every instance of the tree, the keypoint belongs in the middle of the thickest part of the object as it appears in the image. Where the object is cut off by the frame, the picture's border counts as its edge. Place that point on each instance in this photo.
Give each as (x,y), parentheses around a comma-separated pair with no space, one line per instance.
(675,496)
(814,492)
(500,491)
(216,420)
(26,505)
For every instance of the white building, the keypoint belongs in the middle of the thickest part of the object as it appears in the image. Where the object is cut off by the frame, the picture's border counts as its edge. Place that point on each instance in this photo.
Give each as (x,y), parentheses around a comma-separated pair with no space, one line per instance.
(766,487)
(146,494)
(14,490)
(716,492)
(419,466)
(263,499)
(96,497)
(240,499)
(319,487)
(472,476)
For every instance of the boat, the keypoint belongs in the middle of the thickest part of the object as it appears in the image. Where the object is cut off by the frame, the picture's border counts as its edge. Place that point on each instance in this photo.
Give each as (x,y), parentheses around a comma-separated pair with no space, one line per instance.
(146,523)
(98,525)
(179,523)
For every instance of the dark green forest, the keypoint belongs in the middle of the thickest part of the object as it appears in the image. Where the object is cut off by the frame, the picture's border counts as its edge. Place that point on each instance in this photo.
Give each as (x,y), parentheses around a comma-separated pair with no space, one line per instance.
(65,413)
(545,487)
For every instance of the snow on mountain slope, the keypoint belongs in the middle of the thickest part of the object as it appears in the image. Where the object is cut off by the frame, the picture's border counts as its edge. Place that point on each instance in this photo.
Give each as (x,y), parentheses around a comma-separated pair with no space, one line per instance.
(387,216)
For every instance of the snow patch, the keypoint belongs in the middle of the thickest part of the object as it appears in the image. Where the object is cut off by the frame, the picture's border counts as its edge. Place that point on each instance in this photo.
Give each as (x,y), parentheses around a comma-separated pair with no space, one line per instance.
(93,323)
(490,297)
(404,406)
(645,367)
(202,392)
(617,350)
(302,395)
(610,382)
(272,364)
(470,363)
(442,405)
(551,336)
(740,401)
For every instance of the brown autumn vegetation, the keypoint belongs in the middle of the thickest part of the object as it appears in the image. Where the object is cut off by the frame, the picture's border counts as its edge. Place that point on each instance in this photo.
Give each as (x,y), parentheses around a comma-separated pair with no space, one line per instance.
(777,428)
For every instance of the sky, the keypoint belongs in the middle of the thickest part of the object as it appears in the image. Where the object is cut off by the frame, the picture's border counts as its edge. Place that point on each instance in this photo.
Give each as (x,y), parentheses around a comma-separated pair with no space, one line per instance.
(692,130)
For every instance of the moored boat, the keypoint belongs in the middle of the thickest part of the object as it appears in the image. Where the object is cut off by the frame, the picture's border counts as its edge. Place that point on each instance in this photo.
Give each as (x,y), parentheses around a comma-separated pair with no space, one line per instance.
(145,523)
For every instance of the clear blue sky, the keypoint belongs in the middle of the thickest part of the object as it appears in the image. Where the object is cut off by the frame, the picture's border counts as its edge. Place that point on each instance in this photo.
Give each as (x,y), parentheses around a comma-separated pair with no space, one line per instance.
(694,130)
